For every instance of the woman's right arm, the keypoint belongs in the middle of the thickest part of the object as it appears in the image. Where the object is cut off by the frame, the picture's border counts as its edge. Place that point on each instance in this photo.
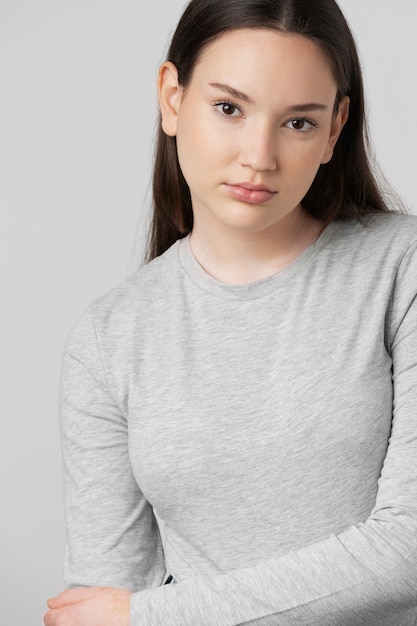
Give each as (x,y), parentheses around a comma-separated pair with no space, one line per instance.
(112,535)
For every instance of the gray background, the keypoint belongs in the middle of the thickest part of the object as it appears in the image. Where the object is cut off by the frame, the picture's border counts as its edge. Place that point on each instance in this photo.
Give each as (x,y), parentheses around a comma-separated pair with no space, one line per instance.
(77,114)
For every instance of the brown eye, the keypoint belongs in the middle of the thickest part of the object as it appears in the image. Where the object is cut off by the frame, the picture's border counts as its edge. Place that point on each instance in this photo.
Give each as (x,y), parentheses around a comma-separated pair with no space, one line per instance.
(227,108)
(301,124)
(298,124)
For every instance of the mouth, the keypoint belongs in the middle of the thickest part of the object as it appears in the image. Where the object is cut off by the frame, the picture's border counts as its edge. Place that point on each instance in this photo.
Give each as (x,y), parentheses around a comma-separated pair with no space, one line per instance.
(250,193)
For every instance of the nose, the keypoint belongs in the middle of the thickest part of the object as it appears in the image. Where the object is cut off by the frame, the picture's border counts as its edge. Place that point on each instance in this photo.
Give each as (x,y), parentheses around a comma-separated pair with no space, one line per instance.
(258,149)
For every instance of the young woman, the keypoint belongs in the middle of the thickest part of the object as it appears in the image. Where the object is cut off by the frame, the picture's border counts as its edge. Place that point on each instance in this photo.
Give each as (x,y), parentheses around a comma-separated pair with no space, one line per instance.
(254,386)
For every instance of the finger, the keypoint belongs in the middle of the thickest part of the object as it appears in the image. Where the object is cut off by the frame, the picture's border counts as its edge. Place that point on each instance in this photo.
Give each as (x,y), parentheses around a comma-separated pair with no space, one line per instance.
(71,596)
(50,618)
(68,616)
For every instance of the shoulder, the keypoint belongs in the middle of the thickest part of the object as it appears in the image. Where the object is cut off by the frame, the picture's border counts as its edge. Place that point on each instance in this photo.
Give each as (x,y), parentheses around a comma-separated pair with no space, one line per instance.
(385,235)
(380,255)
(400,226)
(373,257)
(385,225)
(115,314)
(142,288)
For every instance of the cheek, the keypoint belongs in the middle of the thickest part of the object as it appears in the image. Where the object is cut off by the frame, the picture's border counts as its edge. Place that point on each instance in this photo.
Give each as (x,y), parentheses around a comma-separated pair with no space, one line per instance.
(202,145)
(193,155)
(299,168)
(308,157)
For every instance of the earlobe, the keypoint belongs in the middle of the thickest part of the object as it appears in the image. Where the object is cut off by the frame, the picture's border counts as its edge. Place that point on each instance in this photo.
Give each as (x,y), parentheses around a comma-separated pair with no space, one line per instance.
(338,123)
(169,95)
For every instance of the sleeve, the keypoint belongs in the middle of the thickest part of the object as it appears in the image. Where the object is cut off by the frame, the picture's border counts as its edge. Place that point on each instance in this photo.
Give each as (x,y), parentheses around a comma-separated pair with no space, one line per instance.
(365,576)
(112,535)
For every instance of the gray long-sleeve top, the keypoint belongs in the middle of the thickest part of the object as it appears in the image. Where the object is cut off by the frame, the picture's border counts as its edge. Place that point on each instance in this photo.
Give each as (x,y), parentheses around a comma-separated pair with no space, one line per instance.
(272,426)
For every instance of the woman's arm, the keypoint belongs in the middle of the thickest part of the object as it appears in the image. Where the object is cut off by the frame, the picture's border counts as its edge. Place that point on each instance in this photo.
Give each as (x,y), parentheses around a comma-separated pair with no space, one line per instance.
(112,535)
(89,606)
(365,576)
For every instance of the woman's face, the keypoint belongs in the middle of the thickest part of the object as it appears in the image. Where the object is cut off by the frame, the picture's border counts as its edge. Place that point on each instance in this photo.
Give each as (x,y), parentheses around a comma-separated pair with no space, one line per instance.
(253,127)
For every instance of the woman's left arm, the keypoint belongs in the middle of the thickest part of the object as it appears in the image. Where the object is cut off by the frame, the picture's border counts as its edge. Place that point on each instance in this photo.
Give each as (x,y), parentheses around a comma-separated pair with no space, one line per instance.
(366,575)
(92,606)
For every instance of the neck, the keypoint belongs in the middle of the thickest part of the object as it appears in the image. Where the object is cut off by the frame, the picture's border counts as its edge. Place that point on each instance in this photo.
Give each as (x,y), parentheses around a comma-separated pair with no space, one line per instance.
(238,257)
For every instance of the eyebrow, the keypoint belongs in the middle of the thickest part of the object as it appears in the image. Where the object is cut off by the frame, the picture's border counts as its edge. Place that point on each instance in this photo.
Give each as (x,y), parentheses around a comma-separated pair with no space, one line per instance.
(232,91)
(301,108)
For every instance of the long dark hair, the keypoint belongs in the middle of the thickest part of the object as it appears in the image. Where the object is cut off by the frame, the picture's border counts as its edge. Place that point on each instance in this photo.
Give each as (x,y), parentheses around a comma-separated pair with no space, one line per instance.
(345,187)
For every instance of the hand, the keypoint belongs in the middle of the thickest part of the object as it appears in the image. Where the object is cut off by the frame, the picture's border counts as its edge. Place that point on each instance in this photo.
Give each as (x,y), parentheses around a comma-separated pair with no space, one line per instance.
(89,606)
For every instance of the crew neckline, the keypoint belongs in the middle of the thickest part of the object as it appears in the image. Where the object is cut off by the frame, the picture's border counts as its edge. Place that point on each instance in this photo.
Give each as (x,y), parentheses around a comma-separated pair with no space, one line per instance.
(256,289)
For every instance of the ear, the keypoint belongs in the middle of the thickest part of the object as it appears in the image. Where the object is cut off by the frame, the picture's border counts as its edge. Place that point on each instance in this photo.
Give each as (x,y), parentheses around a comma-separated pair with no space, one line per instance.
(339,120)
(169,95)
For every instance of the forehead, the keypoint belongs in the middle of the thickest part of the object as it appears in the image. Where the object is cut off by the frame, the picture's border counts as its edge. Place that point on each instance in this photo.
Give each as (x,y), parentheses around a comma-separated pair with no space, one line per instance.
(266,59)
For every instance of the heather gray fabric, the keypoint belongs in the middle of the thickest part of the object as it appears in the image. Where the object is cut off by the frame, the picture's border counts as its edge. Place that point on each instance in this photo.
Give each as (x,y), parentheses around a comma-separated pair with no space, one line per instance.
(255,419)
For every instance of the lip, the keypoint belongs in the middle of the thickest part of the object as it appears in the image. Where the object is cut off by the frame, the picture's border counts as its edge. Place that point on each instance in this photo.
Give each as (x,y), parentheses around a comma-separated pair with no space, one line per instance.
(250,193)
